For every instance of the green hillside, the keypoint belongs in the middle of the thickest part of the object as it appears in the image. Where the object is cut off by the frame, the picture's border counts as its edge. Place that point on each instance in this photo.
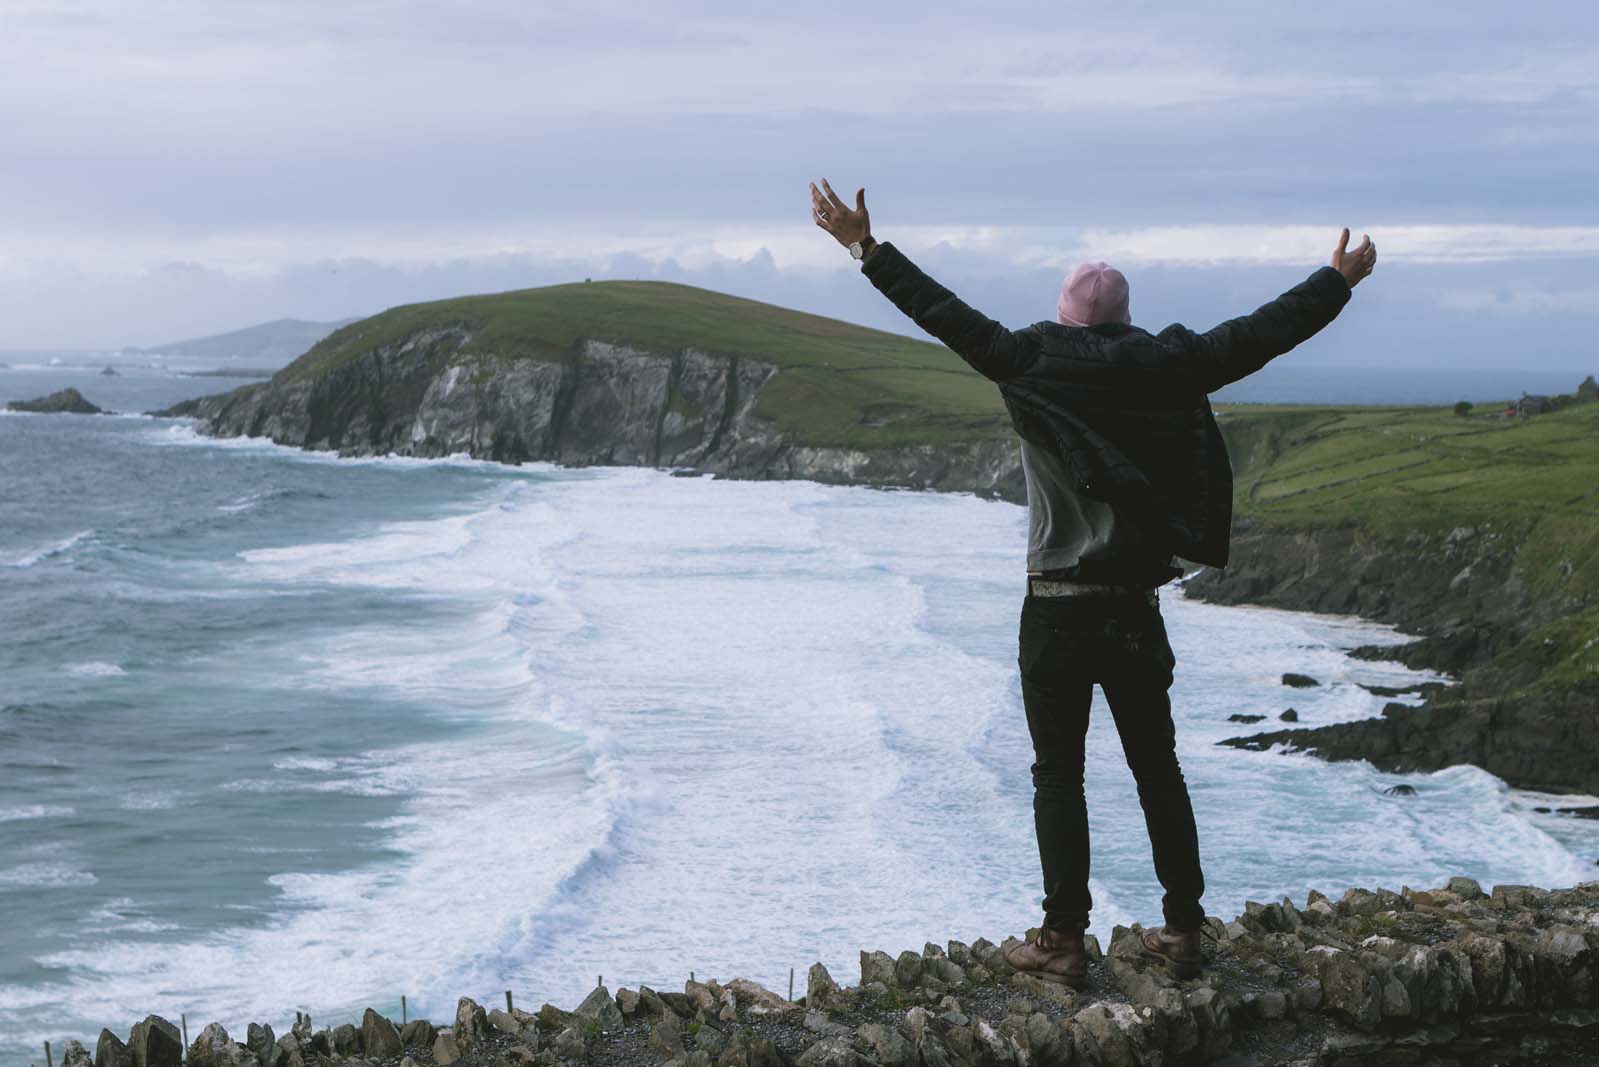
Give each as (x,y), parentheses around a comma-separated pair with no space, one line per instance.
(1405,472)
(841,384)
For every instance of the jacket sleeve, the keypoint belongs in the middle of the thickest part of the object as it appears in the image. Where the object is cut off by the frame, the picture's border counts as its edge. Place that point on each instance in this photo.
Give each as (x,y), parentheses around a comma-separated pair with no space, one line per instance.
(992,350)
(1241,346)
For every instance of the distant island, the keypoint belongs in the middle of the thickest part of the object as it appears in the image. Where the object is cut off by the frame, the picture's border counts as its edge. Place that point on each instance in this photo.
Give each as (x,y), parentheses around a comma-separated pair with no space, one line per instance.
(269,344)
(64,401)
(1472,526)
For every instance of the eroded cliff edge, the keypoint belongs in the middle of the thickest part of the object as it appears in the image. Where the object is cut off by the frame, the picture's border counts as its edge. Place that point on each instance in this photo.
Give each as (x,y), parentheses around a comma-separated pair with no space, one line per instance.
(429,395)
(1498,586)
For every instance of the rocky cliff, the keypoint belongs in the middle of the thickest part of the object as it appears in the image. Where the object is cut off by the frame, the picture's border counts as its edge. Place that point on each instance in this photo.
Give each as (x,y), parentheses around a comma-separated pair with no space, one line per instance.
(1502,601)
(429,394)
(1443,976)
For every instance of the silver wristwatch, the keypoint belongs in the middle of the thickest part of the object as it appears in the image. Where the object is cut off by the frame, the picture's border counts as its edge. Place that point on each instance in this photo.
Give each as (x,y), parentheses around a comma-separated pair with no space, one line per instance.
(858,250)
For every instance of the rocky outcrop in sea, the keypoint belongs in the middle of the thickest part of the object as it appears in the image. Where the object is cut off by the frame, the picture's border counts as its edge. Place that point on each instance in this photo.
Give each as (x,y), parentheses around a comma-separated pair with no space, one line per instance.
(1450,975)
(606,404)
(1462,591)
(67,400)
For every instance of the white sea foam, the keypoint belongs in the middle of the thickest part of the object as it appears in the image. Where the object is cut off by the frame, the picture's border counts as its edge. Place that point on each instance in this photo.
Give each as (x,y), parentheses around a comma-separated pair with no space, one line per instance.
(36,811)
(96,669)
(772,707)
(49,551)
(151,800)
(44,876)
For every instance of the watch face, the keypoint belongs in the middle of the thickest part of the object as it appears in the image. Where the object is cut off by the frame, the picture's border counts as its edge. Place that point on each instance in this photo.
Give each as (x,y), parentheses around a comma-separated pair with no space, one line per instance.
(856,250)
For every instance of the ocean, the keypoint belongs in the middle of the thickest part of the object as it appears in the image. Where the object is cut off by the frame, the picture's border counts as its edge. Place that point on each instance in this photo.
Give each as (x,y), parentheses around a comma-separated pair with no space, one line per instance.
(284,732)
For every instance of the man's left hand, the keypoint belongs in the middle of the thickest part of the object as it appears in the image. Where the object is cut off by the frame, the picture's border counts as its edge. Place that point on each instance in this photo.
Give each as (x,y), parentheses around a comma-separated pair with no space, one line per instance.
(836,217)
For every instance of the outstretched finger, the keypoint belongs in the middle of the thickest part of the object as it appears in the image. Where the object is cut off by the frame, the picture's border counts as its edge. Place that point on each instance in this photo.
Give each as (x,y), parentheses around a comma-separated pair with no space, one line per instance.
(860,199)
(1343,242)
(833,197)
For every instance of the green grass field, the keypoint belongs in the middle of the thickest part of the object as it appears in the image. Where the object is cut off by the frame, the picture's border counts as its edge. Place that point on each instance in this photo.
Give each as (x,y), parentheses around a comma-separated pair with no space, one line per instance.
(1406,470)
(841,384)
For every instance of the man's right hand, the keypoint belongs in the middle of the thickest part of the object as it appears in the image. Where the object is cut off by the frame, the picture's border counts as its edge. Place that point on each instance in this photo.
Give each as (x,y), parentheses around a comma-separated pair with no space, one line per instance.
(1354,265)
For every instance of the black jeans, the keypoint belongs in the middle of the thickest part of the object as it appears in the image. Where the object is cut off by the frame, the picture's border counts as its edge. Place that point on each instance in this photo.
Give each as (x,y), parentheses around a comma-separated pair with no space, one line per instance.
(1066,645)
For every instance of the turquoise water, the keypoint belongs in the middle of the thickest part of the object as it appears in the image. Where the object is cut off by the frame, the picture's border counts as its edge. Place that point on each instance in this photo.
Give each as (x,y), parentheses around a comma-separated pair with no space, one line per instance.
(282,731)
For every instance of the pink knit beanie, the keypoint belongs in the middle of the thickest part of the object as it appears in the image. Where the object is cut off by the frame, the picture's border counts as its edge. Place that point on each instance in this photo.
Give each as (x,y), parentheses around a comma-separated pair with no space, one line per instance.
(1093,293)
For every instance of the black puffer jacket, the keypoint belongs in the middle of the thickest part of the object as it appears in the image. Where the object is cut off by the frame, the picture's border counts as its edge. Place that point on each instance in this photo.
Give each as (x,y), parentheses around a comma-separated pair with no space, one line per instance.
(1125,407)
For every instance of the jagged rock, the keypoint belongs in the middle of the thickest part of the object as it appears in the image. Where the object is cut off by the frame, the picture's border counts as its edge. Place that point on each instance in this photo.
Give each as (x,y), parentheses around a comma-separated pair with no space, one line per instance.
(378,1036)
(830,1052)
(1299,681)
(650,1004)
(418,1033)
(700,995)
(73,1054)
(761,1001)
(471,1024)
(214,1048)
(155,1043)
(907,969)
(1111,1034)
(1241,717)
(446,1049)
(666,1036)
(570,1044)
(109,1051)
(888,1046)
(259,1039)
(346,1040)
(1399,791)
(877,967)
(1289,716)
(552,1018)
(63,401)
(711,1040)
(820,989)
(679,1003)
(959,952)
(504,1022)
(600,1007)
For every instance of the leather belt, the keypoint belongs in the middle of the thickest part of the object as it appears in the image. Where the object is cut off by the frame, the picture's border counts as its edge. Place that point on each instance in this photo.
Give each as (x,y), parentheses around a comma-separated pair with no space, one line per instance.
(1045,587)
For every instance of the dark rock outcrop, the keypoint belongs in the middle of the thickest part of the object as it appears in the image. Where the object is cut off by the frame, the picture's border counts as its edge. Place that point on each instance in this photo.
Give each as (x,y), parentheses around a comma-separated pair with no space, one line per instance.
(1463,592)
(67,401)
(602,404)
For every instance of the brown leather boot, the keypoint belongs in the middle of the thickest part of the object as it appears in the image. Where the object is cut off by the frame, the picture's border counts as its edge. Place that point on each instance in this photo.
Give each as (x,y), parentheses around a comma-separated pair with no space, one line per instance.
(1178,948)
(1054,956)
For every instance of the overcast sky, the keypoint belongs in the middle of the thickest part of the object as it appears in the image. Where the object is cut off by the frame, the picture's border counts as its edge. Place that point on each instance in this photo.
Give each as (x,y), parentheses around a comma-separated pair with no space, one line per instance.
(170,169)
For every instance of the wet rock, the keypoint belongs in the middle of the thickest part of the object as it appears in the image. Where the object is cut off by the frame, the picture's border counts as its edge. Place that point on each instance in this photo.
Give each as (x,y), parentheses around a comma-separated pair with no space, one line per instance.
(1399,791)
(1289,716)
(379,1036)
(1299,681)
(1240,717)
(155,1043)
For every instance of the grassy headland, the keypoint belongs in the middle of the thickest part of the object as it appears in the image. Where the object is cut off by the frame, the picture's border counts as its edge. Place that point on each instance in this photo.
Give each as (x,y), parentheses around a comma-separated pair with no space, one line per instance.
(842,384)
(1419,476)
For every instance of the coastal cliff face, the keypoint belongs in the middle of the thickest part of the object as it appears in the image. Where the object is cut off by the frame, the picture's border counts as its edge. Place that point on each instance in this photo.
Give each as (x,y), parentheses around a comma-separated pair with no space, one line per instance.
(1472,595)
(605,404)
